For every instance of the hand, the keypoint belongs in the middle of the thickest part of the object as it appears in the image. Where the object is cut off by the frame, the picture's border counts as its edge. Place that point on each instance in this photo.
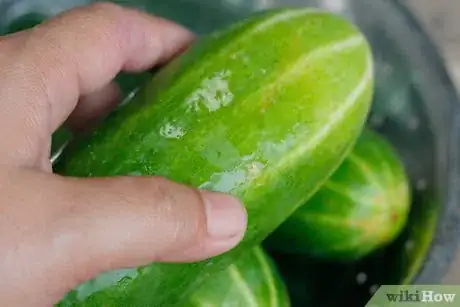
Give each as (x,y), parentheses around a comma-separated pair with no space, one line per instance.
(58,232)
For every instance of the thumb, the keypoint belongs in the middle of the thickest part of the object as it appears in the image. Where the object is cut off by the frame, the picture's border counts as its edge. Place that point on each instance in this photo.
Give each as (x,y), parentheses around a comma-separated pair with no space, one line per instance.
(82,227)
(136,220)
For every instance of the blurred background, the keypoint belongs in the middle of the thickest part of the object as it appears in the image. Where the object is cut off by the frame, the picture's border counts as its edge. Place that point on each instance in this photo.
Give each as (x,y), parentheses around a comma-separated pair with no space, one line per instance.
(441,20)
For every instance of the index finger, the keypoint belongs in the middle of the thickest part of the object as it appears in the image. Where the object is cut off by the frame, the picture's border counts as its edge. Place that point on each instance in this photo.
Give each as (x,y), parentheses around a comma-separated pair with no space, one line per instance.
(76,54)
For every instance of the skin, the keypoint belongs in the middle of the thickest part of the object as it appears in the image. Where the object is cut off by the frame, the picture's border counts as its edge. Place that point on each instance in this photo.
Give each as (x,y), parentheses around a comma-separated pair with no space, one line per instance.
(57,232)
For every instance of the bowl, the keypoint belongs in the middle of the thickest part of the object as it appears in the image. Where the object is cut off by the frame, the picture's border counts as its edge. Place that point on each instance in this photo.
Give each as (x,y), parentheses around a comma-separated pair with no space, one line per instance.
(415,106)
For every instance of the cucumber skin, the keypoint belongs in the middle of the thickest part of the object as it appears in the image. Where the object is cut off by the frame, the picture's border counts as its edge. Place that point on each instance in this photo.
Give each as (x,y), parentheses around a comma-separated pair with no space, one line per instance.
(272,146)
(254,271)
(363,207)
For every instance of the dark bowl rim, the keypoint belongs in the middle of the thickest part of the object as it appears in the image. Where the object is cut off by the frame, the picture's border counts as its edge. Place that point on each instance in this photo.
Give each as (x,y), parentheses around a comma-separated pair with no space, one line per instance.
(444,244)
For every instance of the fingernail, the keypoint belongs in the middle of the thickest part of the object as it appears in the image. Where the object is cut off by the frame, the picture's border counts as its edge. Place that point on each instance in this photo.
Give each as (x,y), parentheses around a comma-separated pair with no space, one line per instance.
(226,216)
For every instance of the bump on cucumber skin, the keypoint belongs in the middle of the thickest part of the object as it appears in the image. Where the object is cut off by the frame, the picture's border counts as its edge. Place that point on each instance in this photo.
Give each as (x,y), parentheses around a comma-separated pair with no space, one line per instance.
(249,111)
(363,207)
(252,280)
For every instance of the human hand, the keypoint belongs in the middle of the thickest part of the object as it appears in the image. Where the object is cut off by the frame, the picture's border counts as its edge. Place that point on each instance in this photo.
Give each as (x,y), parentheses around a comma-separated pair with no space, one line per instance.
(58,232)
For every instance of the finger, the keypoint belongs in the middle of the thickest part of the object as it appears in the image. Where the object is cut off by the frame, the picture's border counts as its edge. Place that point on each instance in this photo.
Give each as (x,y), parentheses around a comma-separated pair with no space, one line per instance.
(150,219)
(93,107)
(76,54)
(78,228)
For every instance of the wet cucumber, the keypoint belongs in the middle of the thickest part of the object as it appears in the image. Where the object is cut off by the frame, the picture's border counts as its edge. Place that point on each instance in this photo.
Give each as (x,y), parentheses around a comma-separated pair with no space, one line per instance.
(265,109)
(308,278)
(253,280)
(363,206)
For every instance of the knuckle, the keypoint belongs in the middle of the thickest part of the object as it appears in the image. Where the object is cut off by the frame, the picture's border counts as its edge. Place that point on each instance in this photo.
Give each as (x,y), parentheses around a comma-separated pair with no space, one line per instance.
(174,209)
(162,190)
(182,204)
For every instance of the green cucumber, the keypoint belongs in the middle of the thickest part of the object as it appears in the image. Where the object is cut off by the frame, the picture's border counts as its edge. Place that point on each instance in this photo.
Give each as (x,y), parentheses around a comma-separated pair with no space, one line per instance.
(363,206)
(265,109)
(308,279)
(253,280)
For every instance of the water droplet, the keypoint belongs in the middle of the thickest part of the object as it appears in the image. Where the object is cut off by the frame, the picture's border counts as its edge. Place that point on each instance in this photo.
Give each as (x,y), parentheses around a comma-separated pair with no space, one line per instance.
(373,289)
(413,123)
(361,278)
(376,120)
(421,184)
(255,168)
(128,98)
(171,131)
(213,94)
(409,245)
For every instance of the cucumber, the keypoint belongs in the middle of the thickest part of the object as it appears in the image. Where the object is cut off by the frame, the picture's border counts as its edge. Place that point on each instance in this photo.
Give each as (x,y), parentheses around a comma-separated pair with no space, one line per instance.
(308,279)
(265,109)
(253,280)
(363,206)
